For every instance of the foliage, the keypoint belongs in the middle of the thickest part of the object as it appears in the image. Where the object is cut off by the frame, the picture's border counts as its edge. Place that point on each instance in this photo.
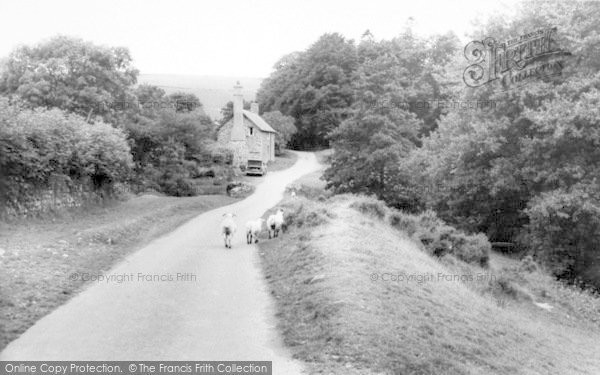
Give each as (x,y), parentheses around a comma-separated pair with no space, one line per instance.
(227,111)
(40,147)
(564,230)
(535,148)
(70,74)
(319,86)
(284,126)
(170,147)
(314,87)
(184,102)
(169,136)
(439,238)
(371,143)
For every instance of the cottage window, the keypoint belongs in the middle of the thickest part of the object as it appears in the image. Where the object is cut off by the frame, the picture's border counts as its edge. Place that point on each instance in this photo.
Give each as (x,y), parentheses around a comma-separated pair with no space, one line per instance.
(251,131)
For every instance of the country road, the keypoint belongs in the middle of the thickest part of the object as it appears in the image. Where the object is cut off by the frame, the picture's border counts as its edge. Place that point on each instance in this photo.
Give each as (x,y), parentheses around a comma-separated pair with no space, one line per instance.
(220,309)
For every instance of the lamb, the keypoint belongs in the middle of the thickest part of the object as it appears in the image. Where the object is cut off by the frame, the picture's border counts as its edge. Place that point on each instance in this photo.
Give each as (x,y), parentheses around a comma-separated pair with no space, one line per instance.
(253,229)
(275,223)
(228,228)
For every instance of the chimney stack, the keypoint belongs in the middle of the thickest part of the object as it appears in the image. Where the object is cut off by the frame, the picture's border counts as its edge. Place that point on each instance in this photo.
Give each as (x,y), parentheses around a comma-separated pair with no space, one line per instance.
(237,131)
(254,107)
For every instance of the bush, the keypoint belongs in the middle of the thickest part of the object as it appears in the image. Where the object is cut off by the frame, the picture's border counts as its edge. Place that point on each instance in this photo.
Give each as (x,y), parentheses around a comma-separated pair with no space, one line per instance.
(504,285)
(177,185)
(239,189)
(440,239)
(39,147)
(303,212)
(528,264)
(309,191)
(403,222)
(564,232)
(222,155)
(370,206)
(204,172)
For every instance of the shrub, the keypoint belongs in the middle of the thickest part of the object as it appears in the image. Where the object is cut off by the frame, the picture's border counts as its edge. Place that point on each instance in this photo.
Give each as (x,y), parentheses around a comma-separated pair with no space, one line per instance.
(370,206)
(309,191)
(504,285)
(222,155)
(38,147)
(177,185)
(564,232)
(403,222)
(528,265)
(204,172)
(303,212)
(440,239)
(239,189)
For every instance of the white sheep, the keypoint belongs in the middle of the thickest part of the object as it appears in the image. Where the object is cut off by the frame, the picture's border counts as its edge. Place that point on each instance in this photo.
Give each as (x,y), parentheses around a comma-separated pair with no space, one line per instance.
(275,223)
(253,229)
(228,228)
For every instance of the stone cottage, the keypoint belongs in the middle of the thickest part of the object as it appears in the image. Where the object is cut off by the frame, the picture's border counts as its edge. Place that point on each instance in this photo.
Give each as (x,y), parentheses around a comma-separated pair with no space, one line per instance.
(247,134)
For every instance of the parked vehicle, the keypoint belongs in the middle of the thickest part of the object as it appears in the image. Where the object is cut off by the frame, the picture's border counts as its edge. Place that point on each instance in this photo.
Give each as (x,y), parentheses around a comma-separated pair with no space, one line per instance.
(256,167)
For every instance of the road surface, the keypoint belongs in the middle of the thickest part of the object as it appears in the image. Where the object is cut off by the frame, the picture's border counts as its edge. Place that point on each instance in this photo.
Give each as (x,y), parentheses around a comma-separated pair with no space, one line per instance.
(219,309)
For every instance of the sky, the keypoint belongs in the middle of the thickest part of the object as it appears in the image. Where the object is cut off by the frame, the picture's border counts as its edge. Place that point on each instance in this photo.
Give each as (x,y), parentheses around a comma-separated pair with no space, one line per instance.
(227,37)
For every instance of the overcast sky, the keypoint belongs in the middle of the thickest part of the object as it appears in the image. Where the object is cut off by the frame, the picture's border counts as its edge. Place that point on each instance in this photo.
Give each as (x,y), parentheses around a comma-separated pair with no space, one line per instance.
(226,37)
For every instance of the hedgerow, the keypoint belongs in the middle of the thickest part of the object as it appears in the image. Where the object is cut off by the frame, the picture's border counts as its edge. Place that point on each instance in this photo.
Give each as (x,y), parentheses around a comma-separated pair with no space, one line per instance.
(40,148)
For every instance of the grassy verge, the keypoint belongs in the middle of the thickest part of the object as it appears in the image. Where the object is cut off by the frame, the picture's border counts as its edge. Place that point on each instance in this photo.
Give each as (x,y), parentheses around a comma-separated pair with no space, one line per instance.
(283,161)
(36,256)
(357,295)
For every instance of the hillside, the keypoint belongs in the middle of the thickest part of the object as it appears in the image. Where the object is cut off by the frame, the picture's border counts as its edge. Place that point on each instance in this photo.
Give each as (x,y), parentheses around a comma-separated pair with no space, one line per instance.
(358,296)
(214,91)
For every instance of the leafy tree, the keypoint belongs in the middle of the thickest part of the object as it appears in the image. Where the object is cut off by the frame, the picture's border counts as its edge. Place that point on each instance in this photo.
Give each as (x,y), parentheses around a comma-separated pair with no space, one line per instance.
(370,145)
(314,87)
(483,170)
(70,74)
(40,146)
(193,131)
(184,102)
(284,125)
(227,111)
(564,231)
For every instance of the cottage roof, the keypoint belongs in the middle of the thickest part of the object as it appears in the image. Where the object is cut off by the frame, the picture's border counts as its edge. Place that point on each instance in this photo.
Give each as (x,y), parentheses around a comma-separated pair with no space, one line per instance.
(259,122)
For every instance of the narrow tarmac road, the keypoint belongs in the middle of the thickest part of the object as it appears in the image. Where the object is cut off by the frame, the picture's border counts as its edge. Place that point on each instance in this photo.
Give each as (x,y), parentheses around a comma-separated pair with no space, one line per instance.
(225,313)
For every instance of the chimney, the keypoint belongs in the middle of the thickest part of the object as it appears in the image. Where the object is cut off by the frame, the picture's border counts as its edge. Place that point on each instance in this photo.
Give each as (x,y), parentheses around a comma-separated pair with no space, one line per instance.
(254,107)
(237,131)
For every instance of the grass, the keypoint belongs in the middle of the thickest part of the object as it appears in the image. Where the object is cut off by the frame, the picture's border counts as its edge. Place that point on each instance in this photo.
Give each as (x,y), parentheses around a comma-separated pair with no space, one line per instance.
(283,161)
(357,296)
(40,254)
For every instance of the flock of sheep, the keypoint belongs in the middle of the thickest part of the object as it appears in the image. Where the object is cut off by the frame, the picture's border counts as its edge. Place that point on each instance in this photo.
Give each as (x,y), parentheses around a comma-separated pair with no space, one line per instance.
(253,227)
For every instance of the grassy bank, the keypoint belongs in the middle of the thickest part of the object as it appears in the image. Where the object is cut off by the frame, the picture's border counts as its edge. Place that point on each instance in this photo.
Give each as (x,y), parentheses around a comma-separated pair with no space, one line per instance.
(357,295)
(37,256)
(283,161)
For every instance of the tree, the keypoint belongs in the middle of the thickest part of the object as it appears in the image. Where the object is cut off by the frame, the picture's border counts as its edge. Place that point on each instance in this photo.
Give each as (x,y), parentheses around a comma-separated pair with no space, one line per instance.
(70,74)
(184,102)
(369,146)
(39,147)
(533,149)
(314,87)
(284,125)
(227,111)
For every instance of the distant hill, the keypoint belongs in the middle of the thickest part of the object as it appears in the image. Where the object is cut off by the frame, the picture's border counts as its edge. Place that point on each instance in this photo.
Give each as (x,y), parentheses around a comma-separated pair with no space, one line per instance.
(214,91)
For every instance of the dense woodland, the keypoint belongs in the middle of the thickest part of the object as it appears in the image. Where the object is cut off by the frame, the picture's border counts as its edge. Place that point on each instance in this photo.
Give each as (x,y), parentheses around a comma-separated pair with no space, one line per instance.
(523,170)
